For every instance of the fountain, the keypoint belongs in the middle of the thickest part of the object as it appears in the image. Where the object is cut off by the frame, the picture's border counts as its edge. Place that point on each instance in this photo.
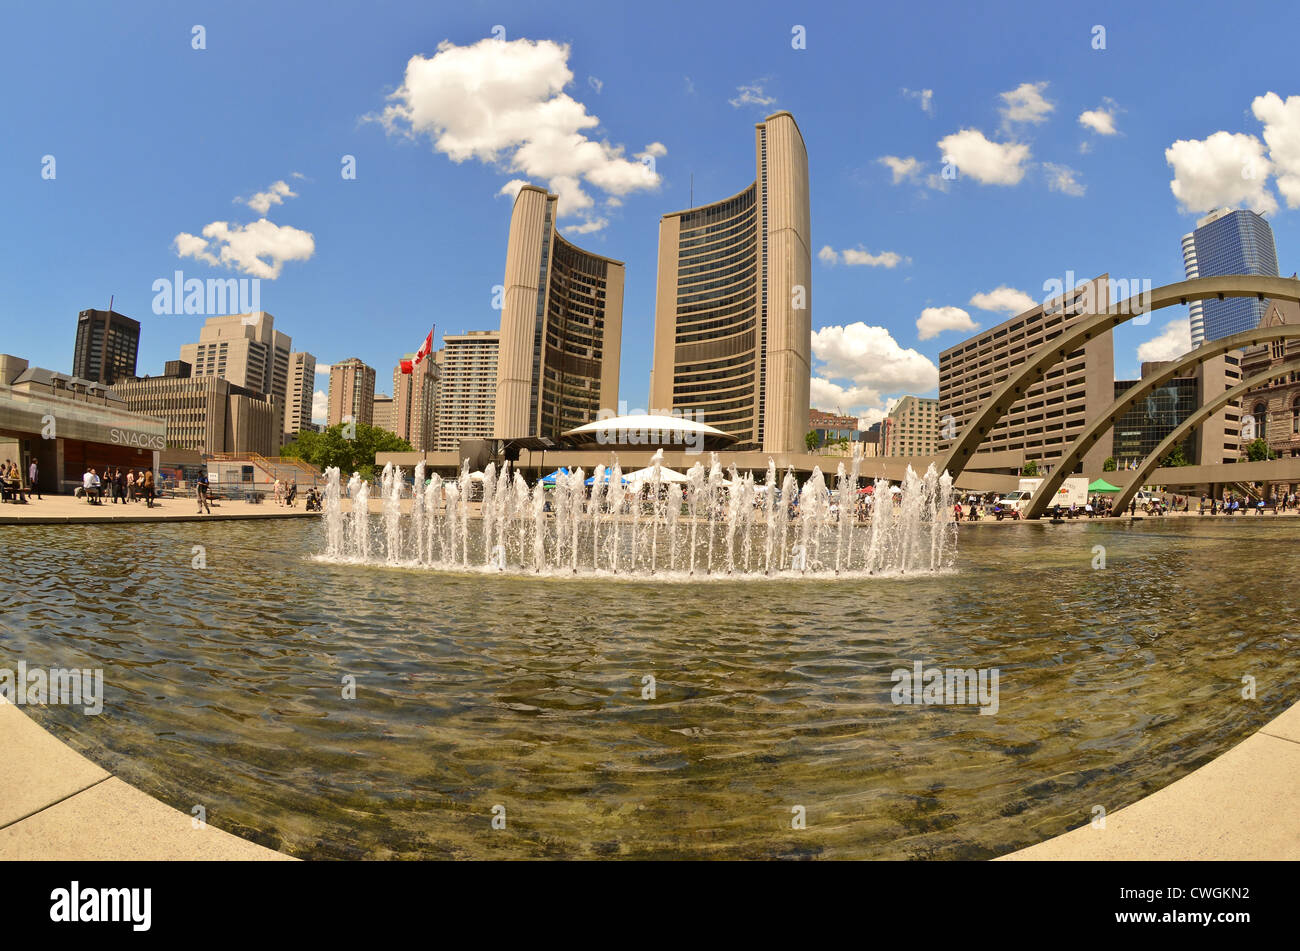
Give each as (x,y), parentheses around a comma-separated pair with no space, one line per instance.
(712,525)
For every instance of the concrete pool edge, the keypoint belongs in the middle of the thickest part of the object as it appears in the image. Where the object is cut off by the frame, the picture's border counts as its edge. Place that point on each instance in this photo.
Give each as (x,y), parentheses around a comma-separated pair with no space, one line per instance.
(1240,806)
(57,805)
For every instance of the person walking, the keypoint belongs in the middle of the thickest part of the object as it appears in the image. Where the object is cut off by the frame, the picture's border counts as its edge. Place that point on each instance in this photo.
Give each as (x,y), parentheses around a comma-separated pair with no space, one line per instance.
(201,488)
(120,477)
(148,487)
(33,480)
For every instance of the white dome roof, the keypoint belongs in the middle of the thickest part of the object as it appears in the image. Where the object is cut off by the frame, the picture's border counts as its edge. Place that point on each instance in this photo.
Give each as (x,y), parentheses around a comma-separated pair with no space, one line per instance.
(650,429)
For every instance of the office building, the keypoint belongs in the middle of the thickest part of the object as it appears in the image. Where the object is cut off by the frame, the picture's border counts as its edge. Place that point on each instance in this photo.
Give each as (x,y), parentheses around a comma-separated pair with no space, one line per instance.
(831,427)
(383,414)
(351,393)
(1053,412)
(912,427)
(106,347)
(1141,428)
(466,380)
(206,414)
(561,327)
(300,389)
(733,306)
(246,350)
(1195,311)
(415,397)
(1229,242)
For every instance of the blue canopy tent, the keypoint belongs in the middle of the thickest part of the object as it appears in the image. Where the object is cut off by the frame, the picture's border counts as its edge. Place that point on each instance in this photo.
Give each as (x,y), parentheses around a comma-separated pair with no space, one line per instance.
(550,479)
(608,473)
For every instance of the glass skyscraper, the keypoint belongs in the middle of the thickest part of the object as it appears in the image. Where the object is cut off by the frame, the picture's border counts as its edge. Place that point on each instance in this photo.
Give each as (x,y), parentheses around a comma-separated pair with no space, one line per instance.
(1229,242)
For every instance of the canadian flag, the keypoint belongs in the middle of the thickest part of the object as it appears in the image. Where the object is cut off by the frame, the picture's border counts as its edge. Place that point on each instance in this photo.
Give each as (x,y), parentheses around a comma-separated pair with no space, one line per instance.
(426,348)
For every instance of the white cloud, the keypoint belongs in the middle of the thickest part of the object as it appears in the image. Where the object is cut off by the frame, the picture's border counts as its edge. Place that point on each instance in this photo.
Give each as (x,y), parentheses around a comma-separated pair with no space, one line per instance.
(1025,103)
(259,249)
(1171,343)
(655,149)
(871,359)
(1060,178)
(903,168)
(1224,170)
(503,102)
(596,84)
(274,195)
(860,257)
(690,85)
(1005,300)
(511,188)
(322,369)
(935,320)
(320,406)
(752,94)
(1100,120)
(588,226)
(989,163)
(850,400)
(1282,133)
(924,96)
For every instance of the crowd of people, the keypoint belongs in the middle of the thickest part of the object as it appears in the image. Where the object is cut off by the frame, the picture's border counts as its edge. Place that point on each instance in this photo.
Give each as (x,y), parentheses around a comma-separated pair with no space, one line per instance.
(119,485)
(11,482)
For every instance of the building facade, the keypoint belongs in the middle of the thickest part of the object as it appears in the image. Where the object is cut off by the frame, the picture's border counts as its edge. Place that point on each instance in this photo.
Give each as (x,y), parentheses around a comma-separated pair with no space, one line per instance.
(561,327)
(1141,428)
(206,414)
(831,427)
(300,389)
(1053,412)
(67,425)
(383,413)
(466,388)
(351,393)
(415,397)
(1195,312)
(1230,242)
(107,346)
(1272,412)
(246,350)
(912,427)
(733,304)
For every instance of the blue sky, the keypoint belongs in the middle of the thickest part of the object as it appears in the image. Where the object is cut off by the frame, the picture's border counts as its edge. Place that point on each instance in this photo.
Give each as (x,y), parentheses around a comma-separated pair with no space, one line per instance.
(153,141)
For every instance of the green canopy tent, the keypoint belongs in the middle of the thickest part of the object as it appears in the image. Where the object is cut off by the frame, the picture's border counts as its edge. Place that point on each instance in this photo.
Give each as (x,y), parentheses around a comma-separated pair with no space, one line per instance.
(1101,485)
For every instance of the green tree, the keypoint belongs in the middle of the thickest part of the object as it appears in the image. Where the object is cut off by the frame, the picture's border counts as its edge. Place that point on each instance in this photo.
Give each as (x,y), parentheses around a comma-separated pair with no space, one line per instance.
(331,448)
(1108,465)
(1258,451)
(1176,457)
(811,440)
(1030,469)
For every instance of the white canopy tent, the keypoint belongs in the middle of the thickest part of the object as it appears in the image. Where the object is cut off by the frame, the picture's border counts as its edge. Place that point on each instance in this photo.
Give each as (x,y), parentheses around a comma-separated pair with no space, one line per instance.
(647,474)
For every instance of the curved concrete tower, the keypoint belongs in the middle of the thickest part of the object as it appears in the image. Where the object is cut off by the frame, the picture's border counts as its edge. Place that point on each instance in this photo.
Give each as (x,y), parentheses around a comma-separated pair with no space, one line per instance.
(561,327)
(733,305)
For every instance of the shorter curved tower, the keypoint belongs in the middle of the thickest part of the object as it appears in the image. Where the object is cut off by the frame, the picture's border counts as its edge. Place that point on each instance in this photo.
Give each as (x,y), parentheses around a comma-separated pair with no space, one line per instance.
(561,327)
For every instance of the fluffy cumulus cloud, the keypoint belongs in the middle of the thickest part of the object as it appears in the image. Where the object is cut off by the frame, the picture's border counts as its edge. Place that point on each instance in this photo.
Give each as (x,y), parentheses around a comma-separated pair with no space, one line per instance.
(259,249)
(1025,104)
(935,320)
(860,257)
(1004,300)
(322,369)
(1281,120)
(856,365)
(989,163)
(503,103)
(1226,169)
(752,94)
(1172,342)
(261,202)
(1100,120)
(320,406)
(1061,178)
(903,169)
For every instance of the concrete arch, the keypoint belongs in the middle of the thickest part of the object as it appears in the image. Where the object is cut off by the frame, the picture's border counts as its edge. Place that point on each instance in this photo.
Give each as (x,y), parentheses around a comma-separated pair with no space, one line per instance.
(1152,462)
(1091,433)
(1047,356)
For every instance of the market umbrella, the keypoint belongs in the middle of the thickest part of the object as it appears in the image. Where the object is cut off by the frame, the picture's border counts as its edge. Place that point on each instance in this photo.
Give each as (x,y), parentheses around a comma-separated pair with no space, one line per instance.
(1101,485)
(550,479)
(608,473)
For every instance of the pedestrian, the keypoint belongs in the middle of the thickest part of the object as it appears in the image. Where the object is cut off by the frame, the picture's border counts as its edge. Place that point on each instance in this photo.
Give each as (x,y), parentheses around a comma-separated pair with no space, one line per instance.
(33,480)
(1132,507)
(148,487)
(201,488)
